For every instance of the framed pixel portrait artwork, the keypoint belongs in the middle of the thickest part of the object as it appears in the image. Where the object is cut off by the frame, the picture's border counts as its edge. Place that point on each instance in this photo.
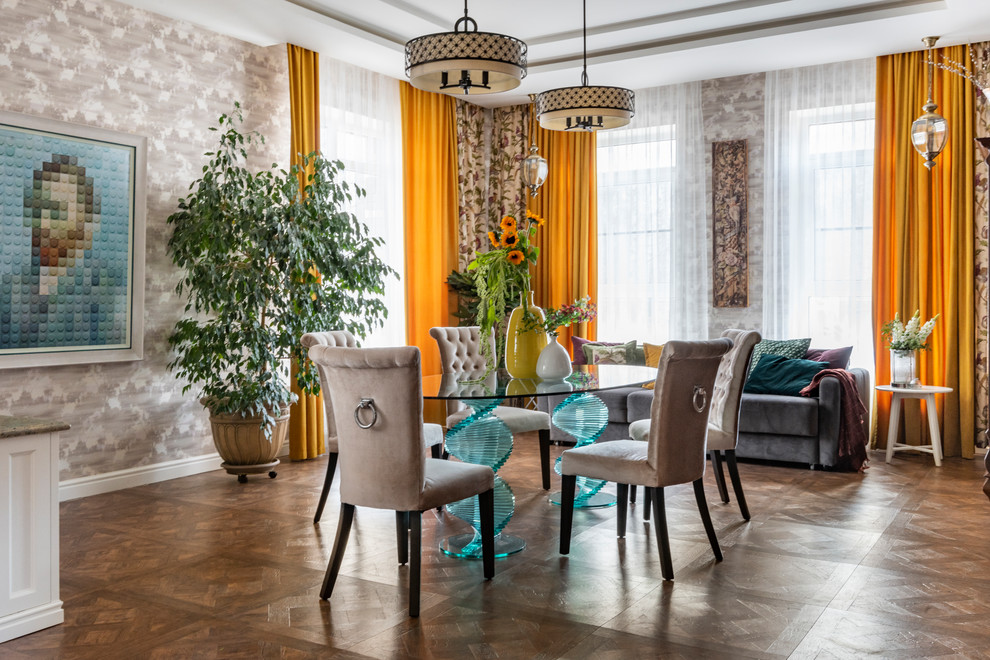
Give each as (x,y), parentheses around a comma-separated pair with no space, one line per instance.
(72,231)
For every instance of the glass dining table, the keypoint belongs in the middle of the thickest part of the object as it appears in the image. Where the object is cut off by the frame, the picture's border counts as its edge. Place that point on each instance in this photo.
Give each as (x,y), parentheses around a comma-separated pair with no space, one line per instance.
(483,438)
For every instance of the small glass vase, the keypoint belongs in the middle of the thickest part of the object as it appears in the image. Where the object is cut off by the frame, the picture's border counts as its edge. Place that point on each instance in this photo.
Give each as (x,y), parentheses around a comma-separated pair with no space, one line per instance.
(902,368)
(554,362)
(522,349)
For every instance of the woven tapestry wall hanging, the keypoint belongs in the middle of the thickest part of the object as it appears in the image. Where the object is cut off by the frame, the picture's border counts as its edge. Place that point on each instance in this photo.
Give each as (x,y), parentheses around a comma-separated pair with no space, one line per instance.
(730,225)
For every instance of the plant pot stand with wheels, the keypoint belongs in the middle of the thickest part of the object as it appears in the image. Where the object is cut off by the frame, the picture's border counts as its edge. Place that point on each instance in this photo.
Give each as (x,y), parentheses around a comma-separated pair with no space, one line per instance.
(242,444)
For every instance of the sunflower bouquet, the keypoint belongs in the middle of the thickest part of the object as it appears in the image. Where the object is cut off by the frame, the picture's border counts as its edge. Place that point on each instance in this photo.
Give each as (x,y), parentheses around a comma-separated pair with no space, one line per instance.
(503,271)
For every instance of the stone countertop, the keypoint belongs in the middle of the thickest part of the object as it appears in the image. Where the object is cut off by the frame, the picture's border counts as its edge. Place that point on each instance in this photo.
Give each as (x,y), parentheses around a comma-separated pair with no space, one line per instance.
(11,427)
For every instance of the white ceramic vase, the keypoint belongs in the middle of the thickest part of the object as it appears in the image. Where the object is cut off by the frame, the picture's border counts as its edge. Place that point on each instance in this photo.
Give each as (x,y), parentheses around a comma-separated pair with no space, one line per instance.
(554,363)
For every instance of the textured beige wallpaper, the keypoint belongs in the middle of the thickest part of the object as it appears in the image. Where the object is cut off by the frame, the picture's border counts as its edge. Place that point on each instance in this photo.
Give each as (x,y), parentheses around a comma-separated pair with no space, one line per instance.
(109,65)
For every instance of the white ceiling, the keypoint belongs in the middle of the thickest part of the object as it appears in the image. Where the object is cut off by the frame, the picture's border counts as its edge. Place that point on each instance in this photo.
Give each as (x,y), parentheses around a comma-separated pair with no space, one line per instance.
(631,43)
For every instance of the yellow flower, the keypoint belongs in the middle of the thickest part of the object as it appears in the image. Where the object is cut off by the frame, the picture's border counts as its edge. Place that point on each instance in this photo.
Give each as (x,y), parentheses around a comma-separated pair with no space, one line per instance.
(493,238)
(532,217)
(510,239)
(508,223)
(515,257)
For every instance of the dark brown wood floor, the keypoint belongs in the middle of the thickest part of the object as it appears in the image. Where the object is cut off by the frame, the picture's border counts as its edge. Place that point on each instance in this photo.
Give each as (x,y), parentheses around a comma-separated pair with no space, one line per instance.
(891,563)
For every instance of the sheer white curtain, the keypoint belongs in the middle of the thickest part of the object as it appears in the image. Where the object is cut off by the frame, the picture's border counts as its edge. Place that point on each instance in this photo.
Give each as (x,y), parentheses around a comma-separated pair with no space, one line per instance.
(652,252)
(360,125)
(818,205)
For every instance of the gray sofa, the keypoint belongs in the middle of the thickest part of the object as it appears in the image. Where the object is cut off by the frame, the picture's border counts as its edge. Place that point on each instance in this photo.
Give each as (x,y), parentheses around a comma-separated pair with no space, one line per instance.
(793,429)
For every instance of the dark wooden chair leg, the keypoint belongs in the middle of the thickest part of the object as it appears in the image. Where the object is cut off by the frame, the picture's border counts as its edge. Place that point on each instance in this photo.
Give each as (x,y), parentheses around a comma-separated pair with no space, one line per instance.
(327,482)
(545,457)
(660,529)
(622,502)
(632,493)
(486,504)
(723,492)
(568,483)
(339,544)
(402,535)
(415,548)
(648,502)
(730,460)
(706,518)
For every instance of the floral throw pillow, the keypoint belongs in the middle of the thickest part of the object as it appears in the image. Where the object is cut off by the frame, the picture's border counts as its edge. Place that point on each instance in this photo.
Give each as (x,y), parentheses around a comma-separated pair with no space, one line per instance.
(620,354)
(793,349)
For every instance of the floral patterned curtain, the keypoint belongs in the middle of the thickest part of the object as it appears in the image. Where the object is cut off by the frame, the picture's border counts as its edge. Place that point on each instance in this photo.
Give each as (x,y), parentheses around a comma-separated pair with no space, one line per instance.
(981,57)
(491,143)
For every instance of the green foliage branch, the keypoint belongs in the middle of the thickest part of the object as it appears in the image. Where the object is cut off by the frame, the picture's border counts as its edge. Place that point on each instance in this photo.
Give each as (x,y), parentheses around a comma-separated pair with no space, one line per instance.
(264,260)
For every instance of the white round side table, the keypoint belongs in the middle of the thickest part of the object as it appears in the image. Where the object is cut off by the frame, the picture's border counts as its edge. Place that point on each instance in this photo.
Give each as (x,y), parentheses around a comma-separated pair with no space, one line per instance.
(926,392)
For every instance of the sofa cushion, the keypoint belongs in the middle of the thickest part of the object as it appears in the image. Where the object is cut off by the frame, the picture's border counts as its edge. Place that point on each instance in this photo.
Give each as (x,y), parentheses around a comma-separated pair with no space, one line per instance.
(789,348)
(780,415)
(617,354)
(578,344)
(837,358)
(616,402)
(776,374)
(638,404)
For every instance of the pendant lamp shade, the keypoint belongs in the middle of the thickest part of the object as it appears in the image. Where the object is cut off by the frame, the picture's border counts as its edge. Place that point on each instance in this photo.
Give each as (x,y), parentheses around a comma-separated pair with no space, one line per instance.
(588,107)
(465,61)
(930,131)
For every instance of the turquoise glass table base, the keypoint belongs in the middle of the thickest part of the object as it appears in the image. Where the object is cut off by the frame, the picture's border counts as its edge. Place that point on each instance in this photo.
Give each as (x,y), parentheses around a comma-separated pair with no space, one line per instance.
(584,417)
(469,545)
(483,439)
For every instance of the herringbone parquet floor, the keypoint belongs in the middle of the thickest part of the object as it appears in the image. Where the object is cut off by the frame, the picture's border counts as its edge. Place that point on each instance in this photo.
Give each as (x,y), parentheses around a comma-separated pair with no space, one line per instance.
(891,563)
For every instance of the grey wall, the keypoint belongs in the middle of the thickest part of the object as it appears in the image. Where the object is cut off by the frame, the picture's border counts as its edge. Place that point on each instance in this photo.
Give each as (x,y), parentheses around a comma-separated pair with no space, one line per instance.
(108,65)
(733,110)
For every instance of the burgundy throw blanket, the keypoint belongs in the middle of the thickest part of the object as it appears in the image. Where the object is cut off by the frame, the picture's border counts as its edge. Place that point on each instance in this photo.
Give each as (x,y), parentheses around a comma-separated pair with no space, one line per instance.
(852,427)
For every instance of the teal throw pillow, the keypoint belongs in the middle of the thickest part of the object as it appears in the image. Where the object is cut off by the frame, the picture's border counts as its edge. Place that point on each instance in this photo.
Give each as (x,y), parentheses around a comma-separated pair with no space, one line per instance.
(776,374)
(788,348)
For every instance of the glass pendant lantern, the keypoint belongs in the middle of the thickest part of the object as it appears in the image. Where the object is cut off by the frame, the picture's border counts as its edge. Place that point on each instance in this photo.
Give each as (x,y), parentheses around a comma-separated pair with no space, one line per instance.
(534,166)
(930,131)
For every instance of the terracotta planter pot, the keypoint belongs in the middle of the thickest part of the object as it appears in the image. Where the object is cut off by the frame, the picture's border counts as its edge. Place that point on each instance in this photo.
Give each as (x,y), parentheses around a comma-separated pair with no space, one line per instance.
(243,446)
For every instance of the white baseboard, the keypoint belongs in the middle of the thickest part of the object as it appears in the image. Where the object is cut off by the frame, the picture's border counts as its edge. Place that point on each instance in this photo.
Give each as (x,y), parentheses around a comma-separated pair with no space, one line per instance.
(137,476)
(31,620)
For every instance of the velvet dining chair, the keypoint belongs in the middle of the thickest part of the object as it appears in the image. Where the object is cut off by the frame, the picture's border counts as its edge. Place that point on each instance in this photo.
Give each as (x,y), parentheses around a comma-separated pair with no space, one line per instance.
(723,421)
(432,433)
(377,399)
(460,350)
(673,454)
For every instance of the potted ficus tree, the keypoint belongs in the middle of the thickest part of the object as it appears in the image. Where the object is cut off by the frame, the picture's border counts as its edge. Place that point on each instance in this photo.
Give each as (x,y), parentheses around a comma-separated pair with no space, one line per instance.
(264,260)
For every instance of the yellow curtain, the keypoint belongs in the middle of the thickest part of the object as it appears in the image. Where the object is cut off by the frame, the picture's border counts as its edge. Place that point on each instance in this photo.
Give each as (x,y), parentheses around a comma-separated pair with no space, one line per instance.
(306,434)
(567,268)
(923,241)
(429,180)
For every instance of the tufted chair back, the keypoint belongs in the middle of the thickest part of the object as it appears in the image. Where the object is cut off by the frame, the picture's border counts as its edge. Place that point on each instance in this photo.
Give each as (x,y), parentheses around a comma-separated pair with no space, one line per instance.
(723,421)
(384,465)
(341,338)
(682,398)
(460,350)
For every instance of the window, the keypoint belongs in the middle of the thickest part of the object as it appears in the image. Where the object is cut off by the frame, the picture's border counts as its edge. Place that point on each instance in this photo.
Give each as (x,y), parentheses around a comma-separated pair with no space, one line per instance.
(652,255)
(360,125)
(635,188)
(819,198)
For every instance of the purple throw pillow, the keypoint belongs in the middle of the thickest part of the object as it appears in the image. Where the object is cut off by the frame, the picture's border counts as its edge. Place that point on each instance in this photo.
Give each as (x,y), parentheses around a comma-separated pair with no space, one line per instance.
(578,345)
(837,358)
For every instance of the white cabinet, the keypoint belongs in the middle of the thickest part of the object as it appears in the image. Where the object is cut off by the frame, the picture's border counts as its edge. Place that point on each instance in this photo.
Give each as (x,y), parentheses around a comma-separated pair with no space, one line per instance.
(29,594)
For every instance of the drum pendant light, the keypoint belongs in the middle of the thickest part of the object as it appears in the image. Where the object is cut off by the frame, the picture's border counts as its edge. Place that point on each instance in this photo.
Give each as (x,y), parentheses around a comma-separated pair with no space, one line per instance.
(465,61)
(588,107)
